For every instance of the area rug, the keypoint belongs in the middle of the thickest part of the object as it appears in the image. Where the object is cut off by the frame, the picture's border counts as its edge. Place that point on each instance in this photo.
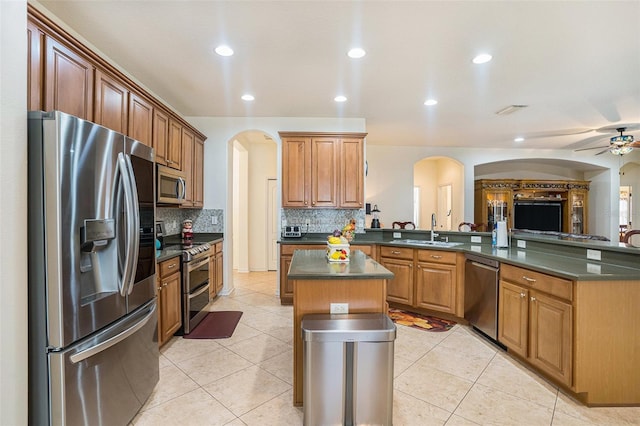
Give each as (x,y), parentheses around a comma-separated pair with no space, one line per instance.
(423,322)
(216,325)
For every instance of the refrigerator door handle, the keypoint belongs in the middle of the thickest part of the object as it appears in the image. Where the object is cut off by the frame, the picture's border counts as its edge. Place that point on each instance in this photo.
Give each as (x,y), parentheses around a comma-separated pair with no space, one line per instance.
(131,230)
(135,229)
(102,346)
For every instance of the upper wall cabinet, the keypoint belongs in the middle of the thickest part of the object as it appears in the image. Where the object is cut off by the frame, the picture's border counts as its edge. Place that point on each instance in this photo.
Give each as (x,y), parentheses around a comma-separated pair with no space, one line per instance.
(322,170)
(63,74)
(68,80)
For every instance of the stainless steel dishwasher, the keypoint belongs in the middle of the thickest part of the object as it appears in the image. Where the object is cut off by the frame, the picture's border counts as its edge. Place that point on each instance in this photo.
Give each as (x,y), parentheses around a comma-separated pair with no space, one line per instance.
(481,294)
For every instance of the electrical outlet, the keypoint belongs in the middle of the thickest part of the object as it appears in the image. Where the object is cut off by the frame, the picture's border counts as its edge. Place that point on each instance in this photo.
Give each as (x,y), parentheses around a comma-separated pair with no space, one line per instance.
(593,254)
(397,235)
(522,244)
(593,268)
(214,220)
(339,308)
(476,239)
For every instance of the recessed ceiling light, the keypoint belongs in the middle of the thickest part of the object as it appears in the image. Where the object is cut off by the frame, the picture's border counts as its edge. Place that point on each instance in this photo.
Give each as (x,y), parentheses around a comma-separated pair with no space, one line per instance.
(224,50)
(356,52)
(519,139)
(430,102)
(248,97)
(482,58)
(340,98)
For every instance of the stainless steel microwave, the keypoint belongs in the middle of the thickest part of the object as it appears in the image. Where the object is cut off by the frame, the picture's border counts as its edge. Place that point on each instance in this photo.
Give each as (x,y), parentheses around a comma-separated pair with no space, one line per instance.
(172,186)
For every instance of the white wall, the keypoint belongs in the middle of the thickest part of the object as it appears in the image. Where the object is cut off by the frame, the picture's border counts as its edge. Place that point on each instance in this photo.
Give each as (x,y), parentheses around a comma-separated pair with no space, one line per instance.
(390,180)
(13,175)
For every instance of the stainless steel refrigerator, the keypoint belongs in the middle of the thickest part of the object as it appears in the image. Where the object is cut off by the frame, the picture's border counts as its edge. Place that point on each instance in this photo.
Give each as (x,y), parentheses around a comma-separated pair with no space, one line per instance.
(93,349)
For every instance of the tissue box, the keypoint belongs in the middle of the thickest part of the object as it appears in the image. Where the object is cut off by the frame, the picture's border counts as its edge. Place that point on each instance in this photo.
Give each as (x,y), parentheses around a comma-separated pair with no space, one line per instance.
(338,252)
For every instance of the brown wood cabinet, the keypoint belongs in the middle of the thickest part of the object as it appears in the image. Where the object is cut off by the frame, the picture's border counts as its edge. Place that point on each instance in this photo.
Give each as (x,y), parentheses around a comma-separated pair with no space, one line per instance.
(399,260)
(65,75)
(216,270)
(169,299)
(495,199)
(35,67)
(436,281)
(286,253)
(173,156)
(536,320)
(111,102)
(198,172)
(68,80)
(425,279)
(140,119)
(187,167)
(322,170)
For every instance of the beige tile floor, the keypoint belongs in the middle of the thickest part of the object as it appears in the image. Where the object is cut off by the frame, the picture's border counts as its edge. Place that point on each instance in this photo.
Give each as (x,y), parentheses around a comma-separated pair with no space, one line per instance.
(450,378)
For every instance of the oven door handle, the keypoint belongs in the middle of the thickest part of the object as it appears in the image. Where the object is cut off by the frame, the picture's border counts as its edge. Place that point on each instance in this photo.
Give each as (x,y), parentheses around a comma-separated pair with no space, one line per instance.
(192,267)
(199,292)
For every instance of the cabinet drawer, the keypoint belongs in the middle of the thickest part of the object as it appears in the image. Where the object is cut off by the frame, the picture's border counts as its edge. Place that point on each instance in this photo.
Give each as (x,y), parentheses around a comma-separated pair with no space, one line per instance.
(436,256)
(217,247)
(169,267)
(365,248)
(396,252)
(555,286)
(288,249)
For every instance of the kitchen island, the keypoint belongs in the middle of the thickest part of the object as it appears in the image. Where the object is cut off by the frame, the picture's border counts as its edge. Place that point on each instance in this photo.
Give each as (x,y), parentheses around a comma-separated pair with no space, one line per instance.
(361,283)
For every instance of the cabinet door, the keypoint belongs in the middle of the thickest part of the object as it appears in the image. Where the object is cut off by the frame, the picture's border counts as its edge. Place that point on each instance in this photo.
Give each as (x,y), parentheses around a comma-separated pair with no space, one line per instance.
(160,135)
(111,99)
(577,212)
(296,172)
(551,336)
(513,314)
(324,172)
(187,165)
(212,277)
(170,306)
(35,42)
(198,173)
(286,287)
(174,145)
(436,287)
(351,173)
(68,81)
(400,287)
(219,281)
(140,119)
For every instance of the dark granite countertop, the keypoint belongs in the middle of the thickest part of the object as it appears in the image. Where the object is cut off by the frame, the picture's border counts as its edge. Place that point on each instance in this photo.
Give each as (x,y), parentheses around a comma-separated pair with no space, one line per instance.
(171,250)
(565,259)
(313,265)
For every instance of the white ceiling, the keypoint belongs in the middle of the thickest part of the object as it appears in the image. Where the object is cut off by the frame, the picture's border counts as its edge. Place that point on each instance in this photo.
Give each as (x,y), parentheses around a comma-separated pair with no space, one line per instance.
(576,64)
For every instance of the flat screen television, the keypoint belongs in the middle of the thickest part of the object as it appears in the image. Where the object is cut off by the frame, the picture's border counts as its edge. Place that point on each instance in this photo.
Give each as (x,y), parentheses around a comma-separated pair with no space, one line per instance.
(539,216)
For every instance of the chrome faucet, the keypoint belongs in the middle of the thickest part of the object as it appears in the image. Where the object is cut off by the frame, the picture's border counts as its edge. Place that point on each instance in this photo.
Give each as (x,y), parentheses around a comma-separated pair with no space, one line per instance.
(433,225)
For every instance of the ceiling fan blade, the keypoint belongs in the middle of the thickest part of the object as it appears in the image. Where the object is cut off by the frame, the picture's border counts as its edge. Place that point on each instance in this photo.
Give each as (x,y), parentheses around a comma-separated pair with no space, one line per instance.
(603,151)
(593,147)
(614,128)
(552,133)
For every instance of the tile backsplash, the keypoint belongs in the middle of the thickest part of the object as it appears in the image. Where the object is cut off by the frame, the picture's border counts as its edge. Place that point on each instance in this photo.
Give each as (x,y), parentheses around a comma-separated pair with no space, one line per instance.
(202,219)
(323,220)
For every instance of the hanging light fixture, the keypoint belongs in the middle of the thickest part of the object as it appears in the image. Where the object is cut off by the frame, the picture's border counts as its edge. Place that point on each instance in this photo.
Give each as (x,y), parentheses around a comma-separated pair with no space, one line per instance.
(619,145)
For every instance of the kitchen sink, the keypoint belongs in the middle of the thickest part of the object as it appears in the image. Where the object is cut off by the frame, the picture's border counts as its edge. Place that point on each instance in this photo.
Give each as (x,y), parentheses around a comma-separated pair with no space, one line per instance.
(427,243)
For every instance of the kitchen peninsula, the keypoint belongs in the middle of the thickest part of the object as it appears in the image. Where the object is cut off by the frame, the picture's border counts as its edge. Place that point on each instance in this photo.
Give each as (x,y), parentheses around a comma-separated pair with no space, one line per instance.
(361,283)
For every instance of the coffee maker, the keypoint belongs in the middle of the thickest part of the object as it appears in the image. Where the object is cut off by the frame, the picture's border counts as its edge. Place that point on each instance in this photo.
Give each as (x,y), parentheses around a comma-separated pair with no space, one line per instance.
(160,233)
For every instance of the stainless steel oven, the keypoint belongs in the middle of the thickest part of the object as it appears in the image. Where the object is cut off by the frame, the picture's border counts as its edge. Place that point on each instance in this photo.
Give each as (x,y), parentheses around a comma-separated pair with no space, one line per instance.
(195,283)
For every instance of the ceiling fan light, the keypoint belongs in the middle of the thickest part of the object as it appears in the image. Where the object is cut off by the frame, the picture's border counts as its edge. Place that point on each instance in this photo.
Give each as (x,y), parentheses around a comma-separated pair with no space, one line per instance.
(621,150)
(621,140)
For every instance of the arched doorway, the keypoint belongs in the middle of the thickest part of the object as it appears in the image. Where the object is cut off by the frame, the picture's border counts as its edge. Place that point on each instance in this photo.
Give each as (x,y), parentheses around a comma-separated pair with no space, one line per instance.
(253,218)
(438,184)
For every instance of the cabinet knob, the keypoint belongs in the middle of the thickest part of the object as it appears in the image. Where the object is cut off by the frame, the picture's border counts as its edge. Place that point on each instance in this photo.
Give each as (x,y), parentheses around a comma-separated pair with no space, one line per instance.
(522,295)
(533,299)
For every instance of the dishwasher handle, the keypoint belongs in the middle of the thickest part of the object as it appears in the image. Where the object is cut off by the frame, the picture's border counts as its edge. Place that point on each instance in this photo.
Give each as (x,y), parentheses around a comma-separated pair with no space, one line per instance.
(483,266)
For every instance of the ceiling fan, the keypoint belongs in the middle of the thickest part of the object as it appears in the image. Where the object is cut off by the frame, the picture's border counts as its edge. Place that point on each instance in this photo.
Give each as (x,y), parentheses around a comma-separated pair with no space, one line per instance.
(618,145)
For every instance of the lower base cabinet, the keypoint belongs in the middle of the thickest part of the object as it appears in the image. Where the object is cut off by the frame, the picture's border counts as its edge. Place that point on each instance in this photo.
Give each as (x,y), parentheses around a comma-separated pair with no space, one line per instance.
(286,253)
(216,270)
(169,299)
(536,325)
(426,279)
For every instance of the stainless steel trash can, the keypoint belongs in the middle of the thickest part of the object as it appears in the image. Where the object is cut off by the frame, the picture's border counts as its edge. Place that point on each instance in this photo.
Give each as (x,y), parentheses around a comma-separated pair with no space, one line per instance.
(348,369)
